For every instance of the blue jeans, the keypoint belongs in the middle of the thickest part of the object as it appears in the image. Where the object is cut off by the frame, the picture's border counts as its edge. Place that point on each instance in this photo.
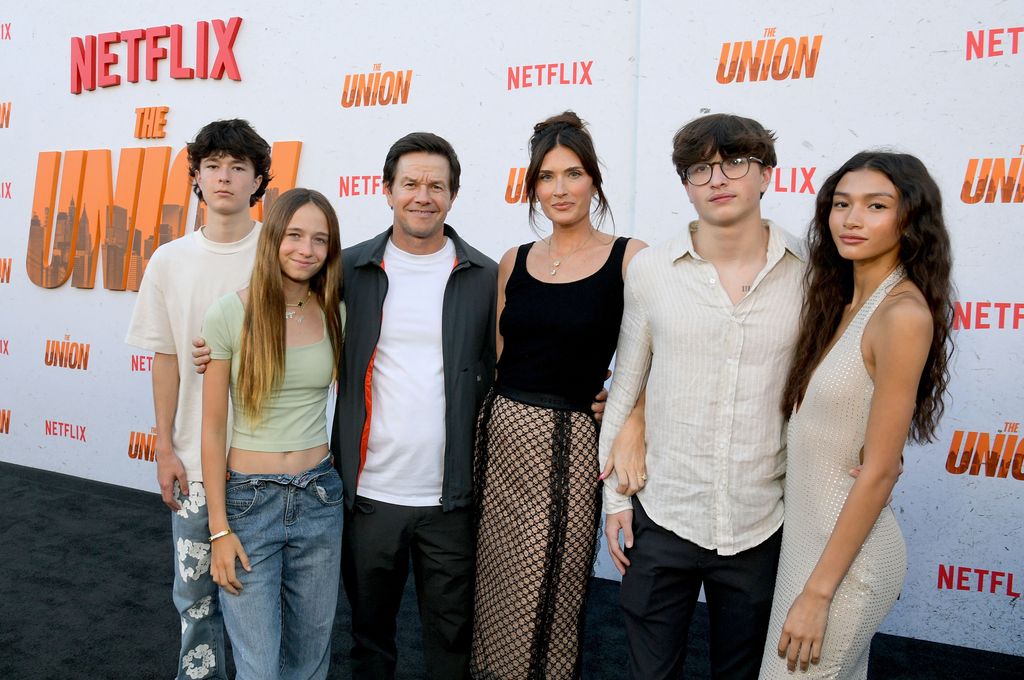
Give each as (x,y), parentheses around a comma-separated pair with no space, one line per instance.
(290,527)
(194,593)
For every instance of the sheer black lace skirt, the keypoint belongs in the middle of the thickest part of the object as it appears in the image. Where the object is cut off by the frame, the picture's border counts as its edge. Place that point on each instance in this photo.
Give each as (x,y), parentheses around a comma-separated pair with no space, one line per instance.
(538,508)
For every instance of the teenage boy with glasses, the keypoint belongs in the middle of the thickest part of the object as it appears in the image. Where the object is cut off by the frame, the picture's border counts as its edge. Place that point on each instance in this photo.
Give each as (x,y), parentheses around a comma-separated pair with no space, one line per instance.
(709,324)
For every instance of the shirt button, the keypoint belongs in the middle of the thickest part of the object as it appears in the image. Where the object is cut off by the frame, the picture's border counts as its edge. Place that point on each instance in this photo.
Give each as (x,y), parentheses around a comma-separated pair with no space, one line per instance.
(711,281)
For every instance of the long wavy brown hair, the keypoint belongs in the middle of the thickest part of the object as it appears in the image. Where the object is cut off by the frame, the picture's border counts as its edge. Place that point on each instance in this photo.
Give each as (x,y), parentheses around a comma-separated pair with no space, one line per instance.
(261,365)
(924,251)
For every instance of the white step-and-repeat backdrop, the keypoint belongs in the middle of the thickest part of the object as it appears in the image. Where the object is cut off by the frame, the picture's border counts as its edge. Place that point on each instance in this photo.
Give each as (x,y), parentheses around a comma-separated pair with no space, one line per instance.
(96,104)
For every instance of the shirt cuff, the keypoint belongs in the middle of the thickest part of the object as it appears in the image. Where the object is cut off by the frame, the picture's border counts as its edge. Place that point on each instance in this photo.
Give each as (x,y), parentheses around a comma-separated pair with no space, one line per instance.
(615,502)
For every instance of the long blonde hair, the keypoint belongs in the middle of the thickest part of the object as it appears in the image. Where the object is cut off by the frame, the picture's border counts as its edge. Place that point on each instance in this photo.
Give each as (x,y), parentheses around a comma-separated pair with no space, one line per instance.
(261,366)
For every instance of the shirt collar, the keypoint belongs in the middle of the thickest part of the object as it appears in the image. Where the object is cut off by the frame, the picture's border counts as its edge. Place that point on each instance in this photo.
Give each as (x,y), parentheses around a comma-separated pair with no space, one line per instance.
(779,241)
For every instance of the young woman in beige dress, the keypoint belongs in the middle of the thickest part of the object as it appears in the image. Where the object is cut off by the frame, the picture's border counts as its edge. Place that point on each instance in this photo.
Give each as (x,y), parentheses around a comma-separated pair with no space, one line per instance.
(869,370)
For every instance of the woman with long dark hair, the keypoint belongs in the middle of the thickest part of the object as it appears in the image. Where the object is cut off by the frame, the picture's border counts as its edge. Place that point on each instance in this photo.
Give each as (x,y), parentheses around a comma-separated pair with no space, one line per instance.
(536,480)
(275,524)
(870,369)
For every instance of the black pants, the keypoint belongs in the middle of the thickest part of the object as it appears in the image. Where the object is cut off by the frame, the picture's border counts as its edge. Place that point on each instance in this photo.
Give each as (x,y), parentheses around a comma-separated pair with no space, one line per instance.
(660,590)
(377,542)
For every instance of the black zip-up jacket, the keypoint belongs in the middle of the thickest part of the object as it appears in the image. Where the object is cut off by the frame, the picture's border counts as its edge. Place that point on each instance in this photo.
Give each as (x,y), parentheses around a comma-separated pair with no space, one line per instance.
(467,344)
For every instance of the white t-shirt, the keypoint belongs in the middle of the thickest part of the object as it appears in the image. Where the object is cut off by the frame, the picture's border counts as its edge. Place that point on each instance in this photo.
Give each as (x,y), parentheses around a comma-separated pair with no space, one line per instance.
(183,278)
(405,451)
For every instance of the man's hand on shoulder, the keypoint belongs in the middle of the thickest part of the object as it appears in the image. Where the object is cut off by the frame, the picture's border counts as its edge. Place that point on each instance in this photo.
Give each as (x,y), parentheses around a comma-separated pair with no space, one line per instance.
(200,354)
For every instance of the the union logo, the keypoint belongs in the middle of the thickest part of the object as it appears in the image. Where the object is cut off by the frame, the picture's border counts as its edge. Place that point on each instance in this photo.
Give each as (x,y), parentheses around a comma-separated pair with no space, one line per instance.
(999,455)
(515,191)
(376,88)
(150,122)
(142,446)
(5,114)
(67,353)
(990,179)
(771,57)
(124,222)
(5,421)
(5,269)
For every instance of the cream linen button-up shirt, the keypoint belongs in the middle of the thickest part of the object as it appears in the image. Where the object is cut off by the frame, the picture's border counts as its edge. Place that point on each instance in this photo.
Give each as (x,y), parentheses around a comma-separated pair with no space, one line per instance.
(714,372)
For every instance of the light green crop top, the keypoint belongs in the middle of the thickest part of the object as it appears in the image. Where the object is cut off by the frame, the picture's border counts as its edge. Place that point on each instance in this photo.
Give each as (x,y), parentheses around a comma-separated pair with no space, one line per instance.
(295,415)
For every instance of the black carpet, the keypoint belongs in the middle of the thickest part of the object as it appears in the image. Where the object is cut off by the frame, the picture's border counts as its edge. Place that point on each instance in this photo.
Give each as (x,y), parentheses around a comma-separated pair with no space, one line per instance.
(85,574)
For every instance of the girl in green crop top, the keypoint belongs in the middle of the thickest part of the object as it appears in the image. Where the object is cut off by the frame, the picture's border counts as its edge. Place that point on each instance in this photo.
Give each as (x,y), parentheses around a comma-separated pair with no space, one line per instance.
(275,501)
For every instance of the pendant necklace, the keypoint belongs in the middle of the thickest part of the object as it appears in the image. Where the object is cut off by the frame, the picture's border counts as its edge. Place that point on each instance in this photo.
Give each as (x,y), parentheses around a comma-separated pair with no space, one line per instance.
(289,314)
(556,263)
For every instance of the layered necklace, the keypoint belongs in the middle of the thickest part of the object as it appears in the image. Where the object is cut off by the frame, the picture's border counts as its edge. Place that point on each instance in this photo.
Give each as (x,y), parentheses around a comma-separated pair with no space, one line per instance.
(293,309)
(557,262)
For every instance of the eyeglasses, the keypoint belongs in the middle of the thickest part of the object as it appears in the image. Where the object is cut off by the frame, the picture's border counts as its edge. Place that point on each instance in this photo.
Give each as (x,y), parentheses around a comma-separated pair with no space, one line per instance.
(699,174)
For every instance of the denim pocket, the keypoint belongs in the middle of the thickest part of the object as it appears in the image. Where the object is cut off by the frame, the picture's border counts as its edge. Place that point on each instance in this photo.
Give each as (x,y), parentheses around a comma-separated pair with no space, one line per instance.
(240,499)
(327,488)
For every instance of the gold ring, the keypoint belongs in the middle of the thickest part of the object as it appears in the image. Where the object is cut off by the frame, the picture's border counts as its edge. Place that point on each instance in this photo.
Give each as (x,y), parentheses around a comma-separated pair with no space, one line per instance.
(643,478)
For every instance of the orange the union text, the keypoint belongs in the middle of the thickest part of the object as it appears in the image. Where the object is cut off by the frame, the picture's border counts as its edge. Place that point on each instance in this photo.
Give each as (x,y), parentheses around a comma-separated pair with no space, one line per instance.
(987,178)
(999,455)
(126,221)
(775,58)
(515,191)
(142,446)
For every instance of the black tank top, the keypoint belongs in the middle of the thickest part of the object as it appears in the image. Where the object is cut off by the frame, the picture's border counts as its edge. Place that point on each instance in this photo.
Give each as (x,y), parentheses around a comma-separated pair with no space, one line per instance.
(560,337)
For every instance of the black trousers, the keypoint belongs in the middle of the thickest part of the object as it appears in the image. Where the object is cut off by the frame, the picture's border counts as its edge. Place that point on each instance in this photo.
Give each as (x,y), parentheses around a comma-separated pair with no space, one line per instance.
(660,590)
(378,541)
